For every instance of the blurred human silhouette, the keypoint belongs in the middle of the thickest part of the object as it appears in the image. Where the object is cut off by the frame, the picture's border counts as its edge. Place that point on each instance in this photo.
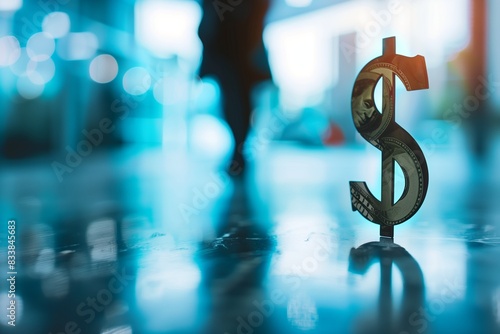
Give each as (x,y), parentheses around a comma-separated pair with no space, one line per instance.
(234,53)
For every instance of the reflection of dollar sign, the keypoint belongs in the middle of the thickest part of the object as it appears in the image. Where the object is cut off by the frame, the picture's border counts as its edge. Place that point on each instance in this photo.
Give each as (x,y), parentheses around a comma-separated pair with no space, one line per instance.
(391,319)
(397,145)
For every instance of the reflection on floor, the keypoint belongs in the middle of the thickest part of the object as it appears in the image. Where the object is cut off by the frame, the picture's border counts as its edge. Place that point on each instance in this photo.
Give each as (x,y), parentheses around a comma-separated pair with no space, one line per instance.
(159,243)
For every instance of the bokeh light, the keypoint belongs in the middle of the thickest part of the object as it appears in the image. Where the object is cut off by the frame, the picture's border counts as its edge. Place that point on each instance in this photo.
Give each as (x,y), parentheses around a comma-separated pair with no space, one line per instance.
(10,5)
(28,89)
(40,46)
(137,81)
(41,72)
(207,94)
(210,136)
(11,50)
(103,68)
(20,66)
(78,46)
(56,24)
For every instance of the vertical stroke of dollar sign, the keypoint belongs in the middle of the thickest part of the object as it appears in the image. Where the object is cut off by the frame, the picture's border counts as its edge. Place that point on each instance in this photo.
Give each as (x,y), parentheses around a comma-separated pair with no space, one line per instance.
(396,144)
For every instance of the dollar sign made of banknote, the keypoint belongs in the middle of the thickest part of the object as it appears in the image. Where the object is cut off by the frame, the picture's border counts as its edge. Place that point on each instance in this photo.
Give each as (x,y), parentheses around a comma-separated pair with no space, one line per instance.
(396,144)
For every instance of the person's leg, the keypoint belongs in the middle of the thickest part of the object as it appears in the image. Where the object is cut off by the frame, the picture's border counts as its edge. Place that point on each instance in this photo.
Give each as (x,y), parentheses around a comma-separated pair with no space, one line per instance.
(237,109)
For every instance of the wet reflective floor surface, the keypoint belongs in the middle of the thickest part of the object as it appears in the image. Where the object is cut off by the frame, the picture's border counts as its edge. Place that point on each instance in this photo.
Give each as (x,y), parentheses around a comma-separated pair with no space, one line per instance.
(138,241)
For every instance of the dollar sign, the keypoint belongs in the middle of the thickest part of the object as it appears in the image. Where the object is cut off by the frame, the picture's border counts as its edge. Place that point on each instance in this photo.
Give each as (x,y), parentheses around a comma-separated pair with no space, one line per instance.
(396,144)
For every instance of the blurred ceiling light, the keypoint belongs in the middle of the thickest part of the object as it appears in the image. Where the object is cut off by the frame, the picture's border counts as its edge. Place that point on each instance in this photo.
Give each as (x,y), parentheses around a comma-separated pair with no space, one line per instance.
(40,46)
(28,89)
(136,81)
(78,46)
(298,3)
(302,57)
(11,50)
(10,5)
(167,28)
(41,73)
(56,24)
(103,68)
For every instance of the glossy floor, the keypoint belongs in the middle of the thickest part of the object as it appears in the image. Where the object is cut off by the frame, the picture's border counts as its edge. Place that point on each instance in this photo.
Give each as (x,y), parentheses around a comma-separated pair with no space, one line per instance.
(159,242)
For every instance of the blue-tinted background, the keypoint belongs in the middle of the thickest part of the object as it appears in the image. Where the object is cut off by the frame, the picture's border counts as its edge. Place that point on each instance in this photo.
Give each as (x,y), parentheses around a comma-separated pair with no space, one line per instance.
(113,157)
